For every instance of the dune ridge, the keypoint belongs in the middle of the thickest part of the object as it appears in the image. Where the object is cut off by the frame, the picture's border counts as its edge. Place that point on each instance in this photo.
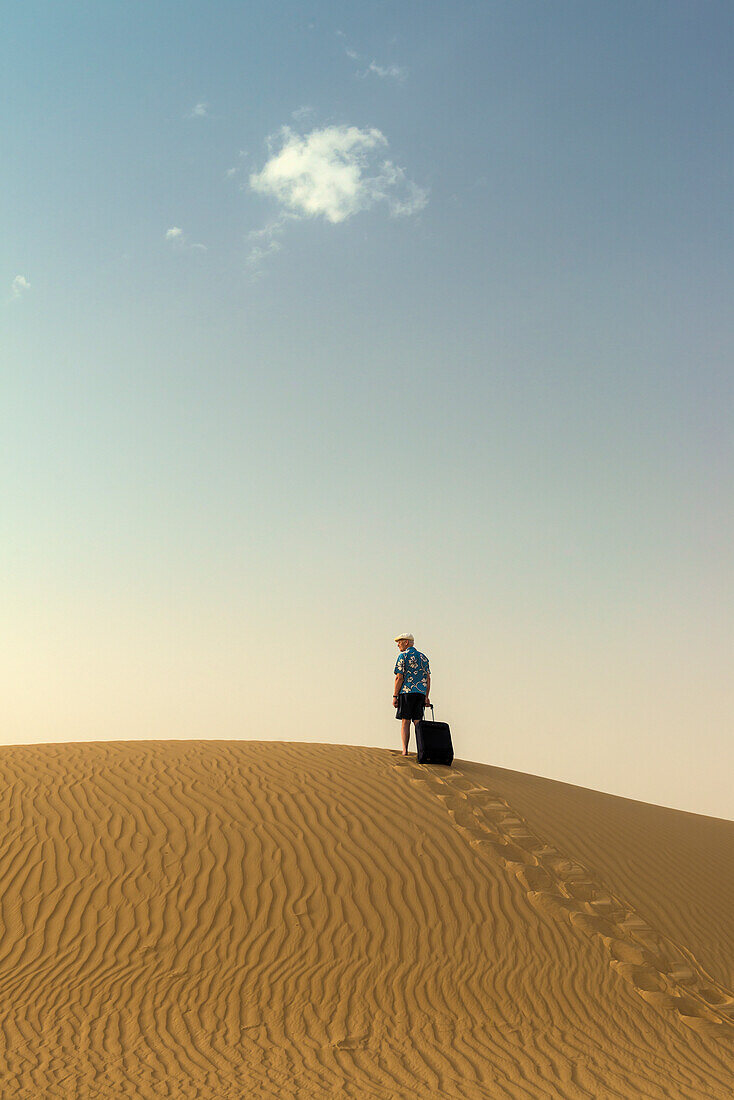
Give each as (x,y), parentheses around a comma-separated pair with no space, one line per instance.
(226,919)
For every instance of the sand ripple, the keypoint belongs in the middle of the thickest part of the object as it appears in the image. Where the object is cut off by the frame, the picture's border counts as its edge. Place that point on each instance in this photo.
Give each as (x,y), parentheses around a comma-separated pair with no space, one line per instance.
(220,920)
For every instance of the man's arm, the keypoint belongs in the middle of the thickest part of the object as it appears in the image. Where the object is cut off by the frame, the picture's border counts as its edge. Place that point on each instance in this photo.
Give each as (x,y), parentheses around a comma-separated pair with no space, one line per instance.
(428,688)
(398,685)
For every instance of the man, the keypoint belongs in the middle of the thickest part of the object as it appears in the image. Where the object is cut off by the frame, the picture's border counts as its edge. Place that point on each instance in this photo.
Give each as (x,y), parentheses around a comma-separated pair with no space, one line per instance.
(412,685)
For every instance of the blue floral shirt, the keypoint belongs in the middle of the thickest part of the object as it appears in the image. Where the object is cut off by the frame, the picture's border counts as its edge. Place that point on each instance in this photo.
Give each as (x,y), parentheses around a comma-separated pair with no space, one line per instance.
(414,668)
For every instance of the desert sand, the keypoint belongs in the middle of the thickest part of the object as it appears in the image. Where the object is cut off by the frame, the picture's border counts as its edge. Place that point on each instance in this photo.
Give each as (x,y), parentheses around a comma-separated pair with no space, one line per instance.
(208,919)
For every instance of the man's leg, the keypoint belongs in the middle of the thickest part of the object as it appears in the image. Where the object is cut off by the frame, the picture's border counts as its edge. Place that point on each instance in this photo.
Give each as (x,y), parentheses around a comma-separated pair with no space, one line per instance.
(405,734)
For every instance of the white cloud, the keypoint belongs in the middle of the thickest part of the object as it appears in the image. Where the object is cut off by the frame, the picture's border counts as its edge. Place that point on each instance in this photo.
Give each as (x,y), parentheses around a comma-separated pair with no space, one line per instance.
(230,173)
(335,173)
(180,241)
(19,286)
(384,72)
(387,72)
(266,243)
(201,110)
(302,113)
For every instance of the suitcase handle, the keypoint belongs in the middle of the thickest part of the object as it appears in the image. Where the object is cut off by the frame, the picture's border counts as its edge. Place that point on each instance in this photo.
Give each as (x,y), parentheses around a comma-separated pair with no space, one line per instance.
(429,706)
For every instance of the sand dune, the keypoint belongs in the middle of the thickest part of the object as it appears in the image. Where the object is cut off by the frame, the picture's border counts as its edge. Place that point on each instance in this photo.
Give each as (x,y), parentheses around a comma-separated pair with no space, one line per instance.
(238,919)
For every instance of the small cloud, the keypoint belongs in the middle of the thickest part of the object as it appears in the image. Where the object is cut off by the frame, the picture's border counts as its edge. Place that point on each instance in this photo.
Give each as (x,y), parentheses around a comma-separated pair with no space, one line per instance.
(235,170)
(201,110)
(384,72)
(266,243)
(178,237)
(19,286)
(387,72)
(301,114)
(335,173)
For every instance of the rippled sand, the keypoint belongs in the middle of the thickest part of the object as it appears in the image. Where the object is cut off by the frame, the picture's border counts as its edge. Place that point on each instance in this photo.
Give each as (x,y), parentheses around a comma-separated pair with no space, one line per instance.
(238,919)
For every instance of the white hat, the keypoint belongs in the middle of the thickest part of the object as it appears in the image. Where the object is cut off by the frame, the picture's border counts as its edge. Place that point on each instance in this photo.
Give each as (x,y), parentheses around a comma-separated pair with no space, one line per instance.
(404,638)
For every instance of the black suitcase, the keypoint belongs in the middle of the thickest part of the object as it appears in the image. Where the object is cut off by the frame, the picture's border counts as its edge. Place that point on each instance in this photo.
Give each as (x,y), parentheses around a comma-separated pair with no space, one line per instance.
(433,740)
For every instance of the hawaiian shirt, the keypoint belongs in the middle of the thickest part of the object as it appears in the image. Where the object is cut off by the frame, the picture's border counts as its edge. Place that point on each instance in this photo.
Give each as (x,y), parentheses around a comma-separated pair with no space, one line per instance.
(414,668)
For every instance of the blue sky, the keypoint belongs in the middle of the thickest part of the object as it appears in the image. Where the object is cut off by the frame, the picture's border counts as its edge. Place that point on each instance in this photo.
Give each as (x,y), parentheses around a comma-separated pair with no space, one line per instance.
(324,322)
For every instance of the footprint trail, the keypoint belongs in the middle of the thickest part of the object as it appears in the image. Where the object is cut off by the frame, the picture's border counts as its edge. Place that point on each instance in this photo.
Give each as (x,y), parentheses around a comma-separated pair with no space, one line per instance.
(664,973)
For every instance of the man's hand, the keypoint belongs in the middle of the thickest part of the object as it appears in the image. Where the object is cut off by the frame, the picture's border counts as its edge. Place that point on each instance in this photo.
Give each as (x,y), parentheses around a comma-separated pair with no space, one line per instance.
(394,702)
(427,702)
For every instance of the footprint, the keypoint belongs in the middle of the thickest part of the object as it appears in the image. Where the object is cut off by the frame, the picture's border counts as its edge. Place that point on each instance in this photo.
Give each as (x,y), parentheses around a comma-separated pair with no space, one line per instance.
(551,902)
(459,783)
(568,869)
(716,1029)
(582,890)
(495,849)
(682,974)
(627,953)
(686,1006)
(608,908)
(524,840)
(646,979)
(636,926)
(466,819)
(513,854)
(593,926)
(716,997)
(534,878)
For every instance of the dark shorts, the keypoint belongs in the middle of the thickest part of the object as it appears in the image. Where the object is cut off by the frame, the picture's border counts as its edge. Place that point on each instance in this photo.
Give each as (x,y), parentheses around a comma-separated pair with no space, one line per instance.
(411,704)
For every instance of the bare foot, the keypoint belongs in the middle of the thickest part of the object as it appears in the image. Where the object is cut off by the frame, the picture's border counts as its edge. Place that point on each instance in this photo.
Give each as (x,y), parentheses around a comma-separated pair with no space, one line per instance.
(405,752)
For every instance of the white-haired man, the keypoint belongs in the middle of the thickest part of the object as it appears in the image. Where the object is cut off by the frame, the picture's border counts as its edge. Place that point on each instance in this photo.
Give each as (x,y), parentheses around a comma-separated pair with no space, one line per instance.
(412,686)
